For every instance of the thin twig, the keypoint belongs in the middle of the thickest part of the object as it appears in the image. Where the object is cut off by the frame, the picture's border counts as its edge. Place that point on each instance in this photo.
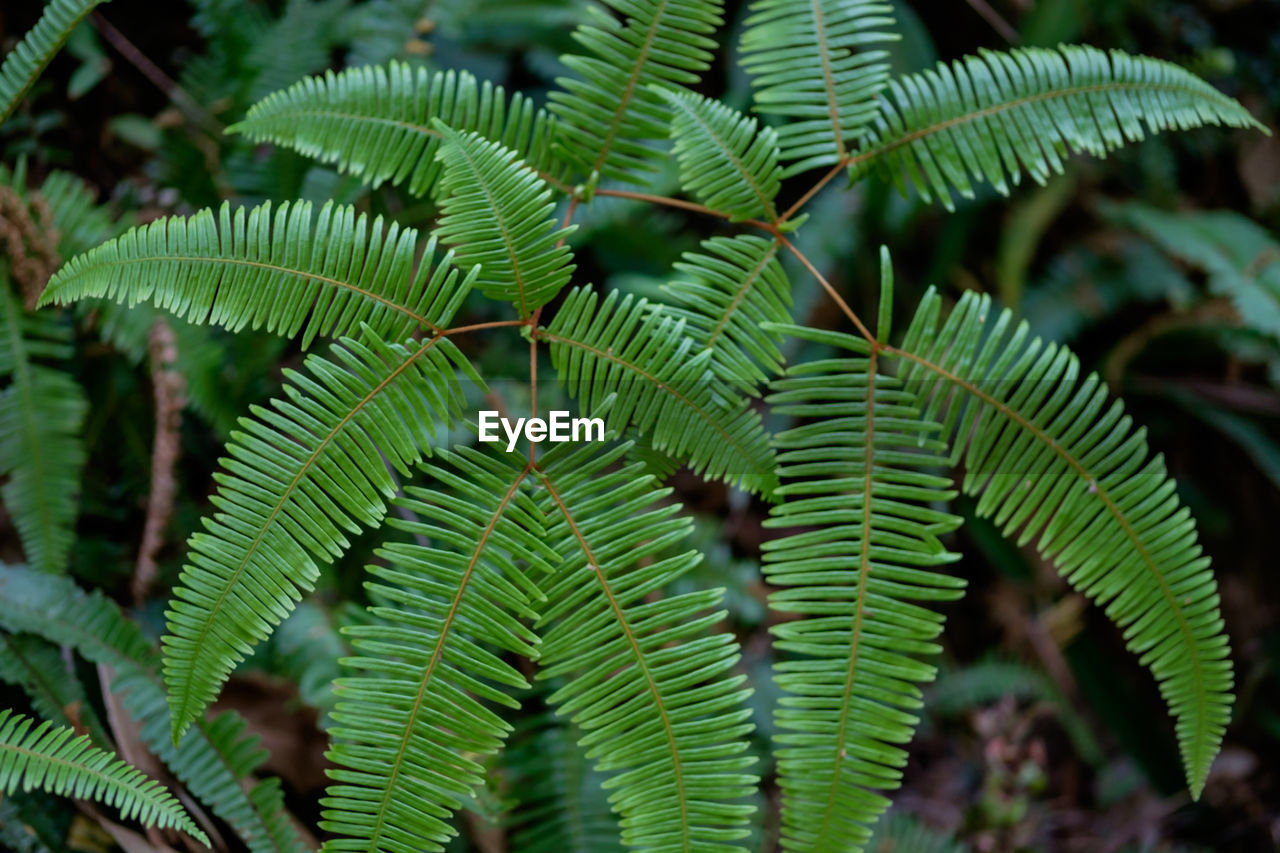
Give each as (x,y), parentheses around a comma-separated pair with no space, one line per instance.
(992,17)
(831,291)
(169,388)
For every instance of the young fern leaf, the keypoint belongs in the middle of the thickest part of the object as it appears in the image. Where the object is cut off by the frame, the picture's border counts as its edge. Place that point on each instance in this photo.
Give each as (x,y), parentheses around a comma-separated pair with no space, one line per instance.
(860,571)
(726,160)
(726,298)
(411,730)
(810,62)
(41,412)
(498,214)
(667,389)
(23,64)
(55,759)
(1050,459)
(307,469)
(294,273)
(215,758)
(609,112)
(992,116)
(647,680)
(376,123)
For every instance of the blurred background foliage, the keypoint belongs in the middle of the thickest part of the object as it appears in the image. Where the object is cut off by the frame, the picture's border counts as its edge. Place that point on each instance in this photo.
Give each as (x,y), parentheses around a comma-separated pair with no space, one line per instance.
(1160,266)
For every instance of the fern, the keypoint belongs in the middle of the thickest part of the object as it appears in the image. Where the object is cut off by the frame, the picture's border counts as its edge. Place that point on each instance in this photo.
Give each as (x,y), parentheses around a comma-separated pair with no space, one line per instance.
(647,682)
(38,669)
(860,571)
(409,738)
(727,297)
(308,469)
(726,161)
(809,61)
(996,115)
(28,58)
(667,391)
(41,452)
(498,214)
(214,759)
(293,273)
(609,112)
(376,123)
(54,759)
(1052,460)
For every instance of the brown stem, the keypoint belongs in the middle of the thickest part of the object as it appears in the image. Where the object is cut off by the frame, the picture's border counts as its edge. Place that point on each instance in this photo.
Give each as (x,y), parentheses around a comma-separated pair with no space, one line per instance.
(831,291)
(169,388)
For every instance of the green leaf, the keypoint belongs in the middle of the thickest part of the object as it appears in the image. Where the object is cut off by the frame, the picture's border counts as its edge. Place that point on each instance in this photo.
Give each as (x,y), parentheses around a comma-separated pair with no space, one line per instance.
(23,64)
(670,391)
(1052,461)
(862,571)
(821,64)
(647,680)
(993,116)
(498,214)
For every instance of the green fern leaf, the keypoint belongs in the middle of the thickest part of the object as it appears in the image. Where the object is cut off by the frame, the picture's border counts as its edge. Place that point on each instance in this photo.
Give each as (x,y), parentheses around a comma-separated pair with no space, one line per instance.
(992,116)
(411,729)
(810,62)
(56,695)
(214,759)
(498,215)
(53,758)
(609,112)
(23,64)
(663,386)
(41,412)
(649,683)
(376,123)
(1052,460)
(726,299)
(861,569)
(726,160)
(299,475)
(292,273)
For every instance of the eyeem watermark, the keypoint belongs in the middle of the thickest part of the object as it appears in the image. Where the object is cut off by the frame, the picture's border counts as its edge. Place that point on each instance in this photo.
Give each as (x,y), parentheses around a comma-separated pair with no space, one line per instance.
(558,427)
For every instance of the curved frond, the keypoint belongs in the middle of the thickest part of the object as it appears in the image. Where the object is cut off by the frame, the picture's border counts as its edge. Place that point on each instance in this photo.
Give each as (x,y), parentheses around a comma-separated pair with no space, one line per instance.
(56,694)
(300,474)
(293,273)
(499,215)
(412,728)
(608,112)
(376,122)
(663,386)
(862,572)
(726,297)
(23,64)
(815,62)
(1053,461)
(726,159)
(993,116)
(54,759)
(648,681)
(41,412)
(215,758)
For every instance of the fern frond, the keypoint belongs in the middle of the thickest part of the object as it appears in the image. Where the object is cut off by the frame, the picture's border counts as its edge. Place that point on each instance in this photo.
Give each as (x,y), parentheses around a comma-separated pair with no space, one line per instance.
(376,123)
(662,385)
(648,681)
(812,61)
(608,112)
(727,161)
(993,116)
(41,413)
(56,694)
(54,759)
(862,571)
(499,215)
(307,469)
(1051,459)
(214,759)
(292,273)
(726,297)
(23,64)
(411,729)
